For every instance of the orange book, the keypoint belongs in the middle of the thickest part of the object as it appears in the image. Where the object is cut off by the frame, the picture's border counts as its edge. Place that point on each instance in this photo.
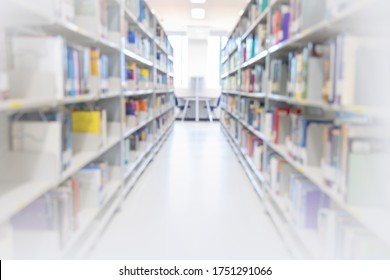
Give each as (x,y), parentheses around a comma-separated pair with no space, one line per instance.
(95,59)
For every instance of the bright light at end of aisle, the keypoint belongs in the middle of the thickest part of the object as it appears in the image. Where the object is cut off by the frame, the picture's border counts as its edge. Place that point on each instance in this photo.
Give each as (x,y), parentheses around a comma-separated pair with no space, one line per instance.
(198,13)
(198,1)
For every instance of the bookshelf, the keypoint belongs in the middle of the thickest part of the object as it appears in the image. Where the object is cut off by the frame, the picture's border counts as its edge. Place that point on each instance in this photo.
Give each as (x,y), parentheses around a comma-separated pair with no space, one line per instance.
(94,109)
(295,123)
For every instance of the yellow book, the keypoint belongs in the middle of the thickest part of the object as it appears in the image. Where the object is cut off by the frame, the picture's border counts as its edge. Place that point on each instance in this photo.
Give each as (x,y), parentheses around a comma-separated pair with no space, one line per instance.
(86,122)
(95,60)
(145,72)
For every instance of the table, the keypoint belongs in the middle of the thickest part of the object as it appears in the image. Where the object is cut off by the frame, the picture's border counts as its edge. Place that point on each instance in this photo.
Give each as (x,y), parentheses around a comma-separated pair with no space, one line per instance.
(197,99)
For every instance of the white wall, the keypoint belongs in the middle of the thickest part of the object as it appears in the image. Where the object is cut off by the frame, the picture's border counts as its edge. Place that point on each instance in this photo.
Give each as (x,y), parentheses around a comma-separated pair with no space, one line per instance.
(197,58)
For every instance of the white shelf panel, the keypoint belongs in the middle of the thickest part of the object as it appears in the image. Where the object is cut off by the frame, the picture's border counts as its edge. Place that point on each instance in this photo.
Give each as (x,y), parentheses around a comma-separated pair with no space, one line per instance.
(137,58)
(130,93)
(20,105)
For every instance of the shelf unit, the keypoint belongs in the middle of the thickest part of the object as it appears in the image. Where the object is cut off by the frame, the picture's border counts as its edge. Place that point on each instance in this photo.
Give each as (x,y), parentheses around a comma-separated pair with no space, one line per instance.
(303,243)
(15,195)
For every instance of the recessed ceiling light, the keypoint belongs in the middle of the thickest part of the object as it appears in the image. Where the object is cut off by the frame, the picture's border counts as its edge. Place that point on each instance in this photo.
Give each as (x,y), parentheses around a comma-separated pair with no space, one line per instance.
(198,13)
(198,1)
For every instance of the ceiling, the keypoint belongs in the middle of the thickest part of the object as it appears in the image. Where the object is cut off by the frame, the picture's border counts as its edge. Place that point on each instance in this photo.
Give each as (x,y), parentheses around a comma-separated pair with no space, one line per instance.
(175,15)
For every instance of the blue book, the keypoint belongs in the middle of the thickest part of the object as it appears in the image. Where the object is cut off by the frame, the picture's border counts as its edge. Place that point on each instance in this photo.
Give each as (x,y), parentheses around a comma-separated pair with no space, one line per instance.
(71,76)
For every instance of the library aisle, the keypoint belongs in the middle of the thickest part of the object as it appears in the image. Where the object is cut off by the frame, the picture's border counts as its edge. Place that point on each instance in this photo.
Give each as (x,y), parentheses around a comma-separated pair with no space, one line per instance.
(193,202)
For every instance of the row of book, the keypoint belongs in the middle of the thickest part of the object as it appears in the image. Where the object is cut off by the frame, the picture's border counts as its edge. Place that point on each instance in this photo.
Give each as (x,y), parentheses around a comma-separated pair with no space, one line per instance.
(337,235)
(46,226)
(138,78)
(162,38)
(137,111)
(161,60)
(232,63)
(254,79)
(231,82)
(306,207)
(57,69)
(350,156)
(61,134)
(163,102)
(231,103)
(254,10)
(139,44)
(255,43)
(136,144)
(161,81)
(252,112)
(142,12)
(336,73)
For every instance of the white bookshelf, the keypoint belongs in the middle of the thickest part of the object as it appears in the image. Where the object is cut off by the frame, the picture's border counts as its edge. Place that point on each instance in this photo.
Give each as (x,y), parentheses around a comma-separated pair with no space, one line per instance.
(302,243)
(16,194)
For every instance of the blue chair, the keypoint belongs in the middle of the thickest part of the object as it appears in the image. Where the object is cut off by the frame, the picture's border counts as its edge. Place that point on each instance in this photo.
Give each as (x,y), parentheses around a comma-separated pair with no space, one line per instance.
(212,108)
(181,107)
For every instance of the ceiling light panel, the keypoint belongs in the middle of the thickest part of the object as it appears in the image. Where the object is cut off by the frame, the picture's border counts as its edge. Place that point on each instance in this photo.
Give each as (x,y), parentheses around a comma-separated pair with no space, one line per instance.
(198,1)
(198,13)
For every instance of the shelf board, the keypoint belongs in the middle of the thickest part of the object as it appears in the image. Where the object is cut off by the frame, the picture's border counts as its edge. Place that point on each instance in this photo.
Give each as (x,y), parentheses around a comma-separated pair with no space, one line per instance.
(138,127)
(23,105)
(161,70)
(225,75)
(231,92)
(137,58)
(256,59)
(361,110)
(132,167)
(130,93)
(164,112)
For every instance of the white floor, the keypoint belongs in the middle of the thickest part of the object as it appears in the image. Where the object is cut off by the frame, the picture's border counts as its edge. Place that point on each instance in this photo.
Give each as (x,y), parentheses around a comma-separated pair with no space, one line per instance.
(193,202)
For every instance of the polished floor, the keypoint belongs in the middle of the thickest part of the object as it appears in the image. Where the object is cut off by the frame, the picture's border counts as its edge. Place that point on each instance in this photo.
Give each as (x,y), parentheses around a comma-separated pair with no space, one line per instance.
(193,202)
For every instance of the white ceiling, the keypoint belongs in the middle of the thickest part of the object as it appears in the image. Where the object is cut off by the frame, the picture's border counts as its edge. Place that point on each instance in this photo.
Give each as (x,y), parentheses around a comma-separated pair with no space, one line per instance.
(175,15)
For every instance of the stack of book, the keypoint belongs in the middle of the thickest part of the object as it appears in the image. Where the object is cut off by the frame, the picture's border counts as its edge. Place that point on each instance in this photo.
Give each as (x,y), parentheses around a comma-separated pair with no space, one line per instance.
(137,111)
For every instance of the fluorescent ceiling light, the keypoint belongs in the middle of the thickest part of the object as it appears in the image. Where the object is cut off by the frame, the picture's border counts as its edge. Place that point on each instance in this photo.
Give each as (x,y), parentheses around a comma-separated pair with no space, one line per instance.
(198,1)
(198,13)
